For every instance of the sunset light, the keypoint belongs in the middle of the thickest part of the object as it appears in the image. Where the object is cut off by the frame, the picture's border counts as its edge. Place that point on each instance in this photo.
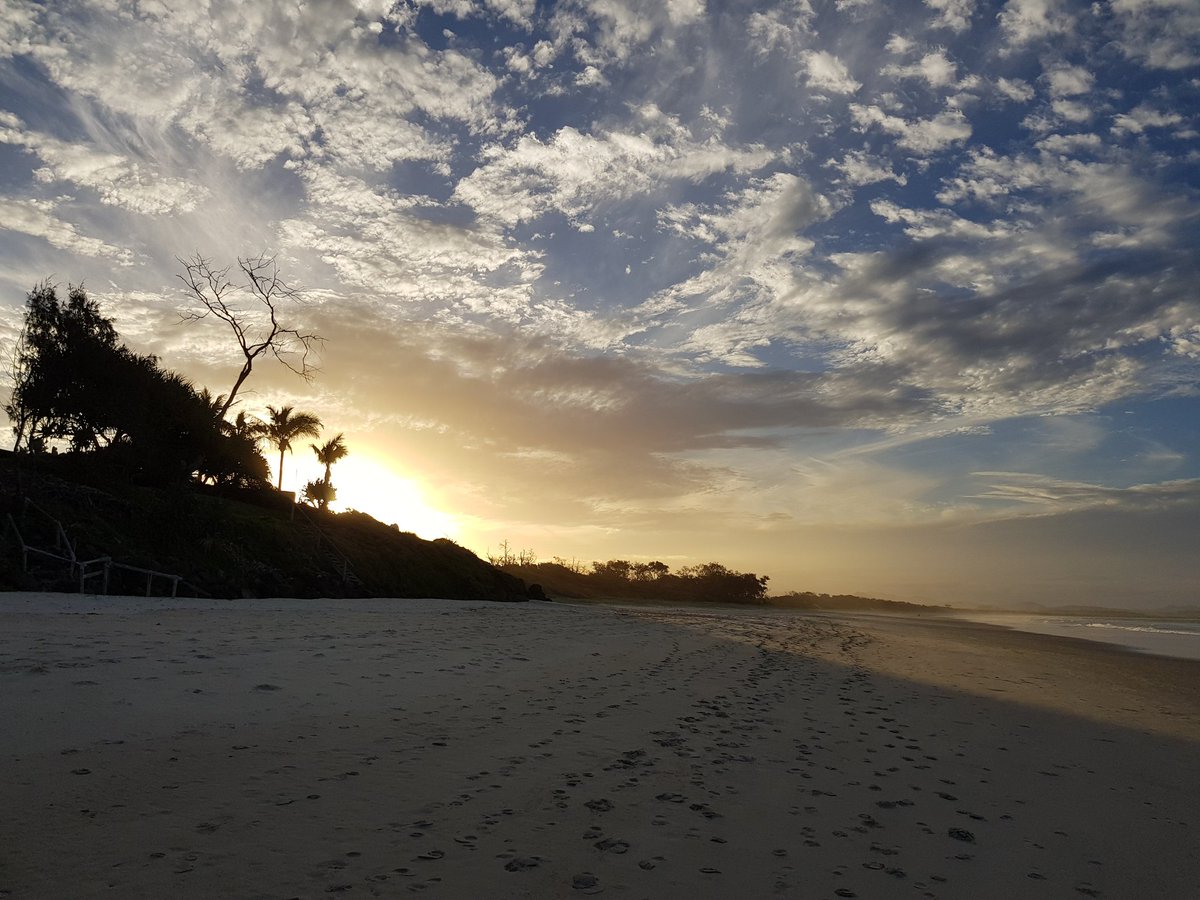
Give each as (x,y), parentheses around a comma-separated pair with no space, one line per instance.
(818,288)
(365,484)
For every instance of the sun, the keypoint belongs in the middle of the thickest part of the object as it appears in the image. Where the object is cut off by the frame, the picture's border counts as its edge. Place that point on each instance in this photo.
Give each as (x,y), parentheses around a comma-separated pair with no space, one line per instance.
(370,486)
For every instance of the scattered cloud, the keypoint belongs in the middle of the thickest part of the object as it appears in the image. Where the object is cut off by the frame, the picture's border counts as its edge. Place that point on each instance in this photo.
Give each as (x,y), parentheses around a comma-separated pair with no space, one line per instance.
(686,255)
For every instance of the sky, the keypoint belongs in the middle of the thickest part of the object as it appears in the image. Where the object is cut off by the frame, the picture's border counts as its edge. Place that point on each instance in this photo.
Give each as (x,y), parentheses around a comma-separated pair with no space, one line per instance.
(888,298)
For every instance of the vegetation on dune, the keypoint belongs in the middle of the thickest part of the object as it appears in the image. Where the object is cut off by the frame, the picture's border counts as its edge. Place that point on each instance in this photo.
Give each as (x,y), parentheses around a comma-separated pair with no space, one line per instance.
(138,465)
(621,579)
(245,543)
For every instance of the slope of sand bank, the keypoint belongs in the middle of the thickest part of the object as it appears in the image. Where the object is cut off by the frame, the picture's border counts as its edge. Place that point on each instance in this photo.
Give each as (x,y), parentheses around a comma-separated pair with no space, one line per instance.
(277,749)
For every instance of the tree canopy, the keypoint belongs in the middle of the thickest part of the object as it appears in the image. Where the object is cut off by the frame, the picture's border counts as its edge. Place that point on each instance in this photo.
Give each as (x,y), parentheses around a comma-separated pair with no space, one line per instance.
(74,383)
(285,425)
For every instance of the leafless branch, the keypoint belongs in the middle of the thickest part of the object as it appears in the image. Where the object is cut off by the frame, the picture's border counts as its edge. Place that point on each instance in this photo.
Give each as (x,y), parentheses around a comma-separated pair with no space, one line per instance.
(255,323)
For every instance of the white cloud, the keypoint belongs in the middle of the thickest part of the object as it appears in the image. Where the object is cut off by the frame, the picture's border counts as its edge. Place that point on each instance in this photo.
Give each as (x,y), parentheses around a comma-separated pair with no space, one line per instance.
(1067,81)
(1163,34)
(36,218)
(1069,144)
(381,242)
(784,27)
(573,172)
(1025,21)
(859,167)
(117,179)
(921,136)
(1015,89)
(935,68)
(757,240)
(952,14)
(1071,110)
(1141,117)
(1104,198)
(828,73)
(253,81)
(18,29)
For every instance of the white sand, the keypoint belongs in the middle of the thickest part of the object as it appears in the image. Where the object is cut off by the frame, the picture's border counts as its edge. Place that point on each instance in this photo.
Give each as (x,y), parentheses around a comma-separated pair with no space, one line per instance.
(276,749)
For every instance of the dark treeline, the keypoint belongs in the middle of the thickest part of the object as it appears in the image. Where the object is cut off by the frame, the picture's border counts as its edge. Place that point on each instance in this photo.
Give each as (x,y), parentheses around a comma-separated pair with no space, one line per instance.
(75,385)
(621,579)
(76,388)
(848,602)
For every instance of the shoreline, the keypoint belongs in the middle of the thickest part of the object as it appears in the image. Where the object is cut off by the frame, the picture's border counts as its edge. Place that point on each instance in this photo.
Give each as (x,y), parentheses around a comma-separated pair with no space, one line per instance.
(284,748)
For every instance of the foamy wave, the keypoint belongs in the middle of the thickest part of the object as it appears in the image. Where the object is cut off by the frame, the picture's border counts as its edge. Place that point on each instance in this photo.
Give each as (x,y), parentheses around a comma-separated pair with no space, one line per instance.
(1147,629)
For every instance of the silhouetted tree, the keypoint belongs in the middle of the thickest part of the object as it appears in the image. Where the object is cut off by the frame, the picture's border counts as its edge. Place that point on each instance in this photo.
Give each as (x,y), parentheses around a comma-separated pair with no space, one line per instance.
(57,368)
(332,451)
(714,583)
(256,325)
(283,426)
(73,381)
(329,453)
(319,494)
(614,569)
(650,571)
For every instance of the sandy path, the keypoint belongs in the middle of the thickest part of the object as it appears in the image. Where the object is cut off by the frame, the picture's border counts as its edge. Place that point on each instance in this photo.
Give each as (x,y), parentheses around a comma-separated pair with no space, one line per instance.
(278,749)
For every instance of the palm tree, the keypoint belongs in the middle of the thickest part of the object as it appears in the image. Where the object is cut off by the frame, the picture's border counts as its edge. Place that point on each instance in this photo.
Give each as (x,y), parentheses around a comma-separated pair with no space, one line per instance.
(284,426)
(327,454)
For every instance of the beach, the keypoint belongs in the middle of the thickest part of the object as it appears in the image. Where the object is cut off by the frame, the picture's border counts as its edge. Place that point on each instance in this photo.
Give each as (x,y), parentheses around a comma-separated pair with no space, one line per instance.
(380,748)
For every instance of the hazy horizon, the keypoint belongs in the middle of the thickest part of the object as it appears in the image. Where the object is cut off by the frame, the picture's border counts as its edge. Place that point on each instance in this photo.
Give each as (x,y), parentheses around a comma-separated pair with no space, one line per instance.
(891,299)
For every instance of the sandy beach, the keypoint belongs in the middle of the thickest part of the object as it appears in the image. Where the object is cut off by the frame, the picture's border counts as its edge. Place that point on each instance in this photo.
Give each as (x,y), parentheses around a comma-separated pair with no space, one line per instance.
(286,748)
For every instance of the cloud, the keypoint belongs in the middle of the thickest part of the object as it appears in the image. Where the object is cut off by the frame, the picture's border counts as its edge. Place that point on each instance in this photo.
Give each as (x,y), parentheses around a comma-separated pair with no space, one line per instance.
(117,179)
(782,28)
(757,237)
(859,167)
(574,172)
(1162,34)
(1142,117)
(605,33)
(935,68)
(1067,81)
(952,14)
(828,73)
(390,245)
(37,219)
(254,81)
(1015,89)
(1044,495)
(1026,21)
(921,136)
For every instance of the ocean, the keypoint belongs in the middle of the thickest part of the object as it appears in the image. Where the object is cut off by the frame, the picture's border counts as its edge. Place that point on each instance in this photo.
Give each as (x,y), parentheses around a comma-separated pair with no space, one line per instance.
(1160,637)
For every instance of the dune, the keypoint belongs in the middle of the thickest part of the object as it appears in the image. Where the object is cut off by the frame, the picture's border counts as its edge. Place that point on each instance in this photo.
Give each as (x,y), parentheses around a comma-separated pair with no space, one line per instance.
(305,748)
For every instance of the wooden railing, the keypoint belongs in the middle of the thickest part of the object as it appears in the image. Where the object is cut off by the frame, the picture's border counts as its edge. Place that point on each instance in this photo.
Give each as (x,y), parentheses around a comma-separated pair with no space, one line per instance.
(83,571)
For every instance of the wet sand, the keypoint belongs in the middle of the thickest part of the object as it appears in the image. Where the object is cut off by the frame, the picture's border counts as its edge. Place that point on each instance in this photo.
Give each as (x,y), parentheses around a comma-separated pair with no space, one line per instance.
(284,748)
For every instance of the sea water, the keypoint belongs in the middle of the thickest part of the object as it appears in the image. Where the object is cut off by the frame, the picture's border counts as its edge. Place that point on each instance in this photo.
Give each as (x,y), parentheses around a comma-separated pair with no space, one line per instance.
(1161,637)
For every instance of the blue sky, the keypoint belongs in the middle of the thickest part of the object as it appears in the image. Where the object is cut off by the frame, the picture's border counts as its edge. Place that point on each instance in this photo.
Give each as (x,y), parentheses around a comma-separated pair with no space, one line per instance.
(788,285)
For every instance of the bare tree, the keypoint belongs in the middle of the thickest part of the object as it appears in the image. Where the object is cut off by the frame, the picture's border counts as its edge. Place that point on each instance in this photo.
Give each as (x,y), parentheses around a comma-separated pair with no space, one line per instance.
(255,323)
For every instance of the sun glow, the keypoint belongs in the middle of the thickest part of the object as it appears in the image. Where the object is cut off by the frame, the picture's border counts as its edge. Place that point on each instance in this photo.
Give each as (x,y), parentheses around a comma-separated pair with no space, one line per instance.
(370,486)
